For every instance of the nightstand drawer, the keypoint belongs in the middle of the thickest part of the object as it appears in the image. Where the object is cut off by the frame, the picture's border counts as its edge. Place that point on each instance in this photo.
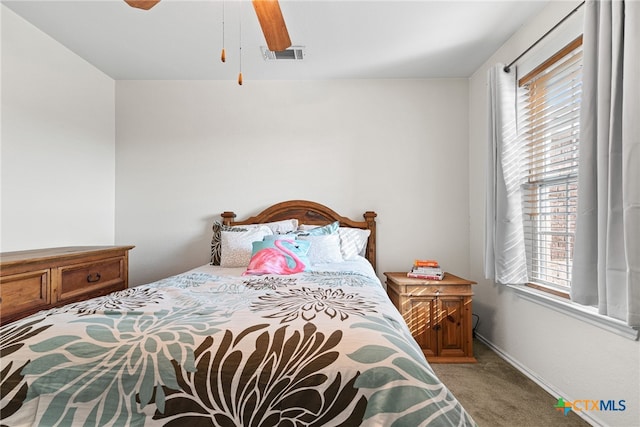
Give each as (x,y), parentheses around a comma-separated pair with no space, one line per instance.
(435,290)
(24,292)
(108,274)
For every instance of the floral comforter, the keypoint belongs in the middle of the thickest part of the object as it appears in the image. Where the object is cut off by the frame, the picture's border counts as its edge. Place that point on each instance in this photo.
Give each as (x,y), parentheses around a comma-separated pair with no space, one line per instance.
(320,348)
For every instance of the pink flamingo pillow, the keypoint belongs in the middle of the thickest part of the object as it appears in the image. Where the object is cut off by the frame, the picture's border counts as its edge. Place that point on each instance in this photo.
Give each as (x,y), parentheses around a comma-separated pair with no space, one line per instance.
(280,256)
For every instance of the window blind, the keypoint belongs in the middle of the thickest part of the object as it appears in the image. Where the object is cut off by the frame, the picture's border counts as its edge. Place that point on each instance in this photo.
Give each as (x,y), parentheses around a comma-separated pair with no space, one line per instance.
(552,114)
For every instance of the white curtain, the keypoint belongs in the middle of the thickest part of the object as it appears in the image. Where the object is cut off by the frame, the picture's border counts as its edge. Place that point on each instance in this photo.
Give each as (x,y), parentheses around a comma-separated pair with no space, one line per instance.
(505,258)
(606,266)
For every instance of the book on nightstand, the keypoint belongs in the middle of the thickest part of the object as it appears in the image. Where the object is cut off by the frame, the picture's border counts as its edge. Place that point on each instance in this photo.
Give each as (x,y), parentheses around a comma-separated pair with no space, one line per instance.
(426,269)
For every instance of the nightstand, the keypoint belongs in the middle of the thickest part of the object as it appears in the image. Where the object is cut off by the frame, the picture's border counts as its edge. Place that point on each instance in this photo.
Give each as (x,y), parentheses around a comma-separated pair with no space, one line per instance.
(438,313)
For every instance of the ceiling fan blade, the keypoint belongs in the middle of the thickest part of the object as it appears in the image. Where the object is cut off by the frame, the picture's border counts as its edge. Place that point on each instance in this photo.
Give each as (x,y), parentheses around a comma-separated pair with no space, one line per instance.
(272,23)
(142,4)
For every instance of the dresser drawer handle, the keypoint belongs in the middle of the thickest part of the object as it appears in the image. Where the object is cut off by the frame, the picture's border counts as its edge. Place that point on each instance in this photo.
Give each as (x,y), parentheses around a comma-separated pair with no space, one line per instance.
(93,277)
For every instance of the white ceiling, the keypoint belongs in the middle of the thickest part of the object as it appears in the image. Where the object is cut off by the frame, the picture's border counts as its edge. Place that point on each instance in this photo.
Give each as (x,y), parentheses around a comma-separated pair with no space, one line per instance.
(182,39)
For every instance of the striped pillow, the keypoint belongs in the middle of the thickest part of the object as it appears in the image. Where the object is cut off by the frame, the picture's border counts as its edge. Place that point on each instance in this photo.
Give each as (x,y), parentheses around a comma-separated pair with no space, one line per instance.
(353,241)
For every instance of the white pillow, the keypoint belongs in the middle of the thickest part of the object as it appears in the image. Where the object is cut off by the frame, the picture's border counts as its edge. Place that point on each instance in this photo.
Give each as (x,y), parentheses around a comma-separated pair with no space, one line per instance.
(353,241)
(236,246)
(324,248)
(282,227)
(277,227)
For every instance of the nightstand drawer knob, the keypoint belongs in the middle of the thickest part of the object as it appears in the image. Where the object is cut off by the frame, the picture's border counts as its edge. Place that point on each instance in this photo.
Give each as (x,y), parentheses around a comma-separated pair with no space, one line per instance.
(93,277)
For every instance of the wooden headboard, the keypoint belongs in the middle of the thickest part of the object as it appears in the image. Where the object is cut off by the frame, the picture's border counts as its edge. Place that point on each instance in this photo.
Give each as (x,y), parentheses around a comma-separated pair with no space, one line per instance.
(311,213)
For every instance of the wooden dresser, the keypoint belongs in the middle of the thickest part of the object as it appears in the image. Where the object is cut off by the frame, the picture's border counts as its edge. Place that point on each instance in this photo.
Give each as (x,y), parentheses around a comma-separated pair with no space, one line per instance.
(438,313)
(44,278)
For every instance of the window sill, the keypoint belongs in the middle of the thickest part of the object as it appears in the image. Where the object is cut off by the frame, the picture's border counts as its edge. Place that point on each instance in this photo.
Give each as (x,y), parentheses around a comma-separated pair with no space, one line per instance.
(584,313)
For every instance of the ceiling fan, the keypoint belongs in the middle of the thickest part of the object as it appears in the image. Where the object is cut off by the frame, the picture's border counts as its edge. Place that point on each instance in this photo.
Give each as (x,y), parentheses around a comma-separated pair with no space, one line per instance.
(269,14)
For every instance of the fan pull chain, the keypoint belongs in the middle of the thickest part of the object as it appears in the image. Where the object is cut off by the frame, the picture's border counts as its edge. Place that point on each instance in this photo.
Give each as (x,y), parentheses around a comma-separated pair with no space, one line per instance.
(240,26)
(223,55)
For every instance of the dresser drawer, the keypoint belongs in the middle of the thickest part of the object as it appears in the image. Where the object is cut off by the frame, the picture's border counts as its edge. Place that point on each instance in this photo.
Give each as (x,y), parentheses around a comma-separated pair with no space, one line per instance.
(24,292)
(94,278)
(39,279)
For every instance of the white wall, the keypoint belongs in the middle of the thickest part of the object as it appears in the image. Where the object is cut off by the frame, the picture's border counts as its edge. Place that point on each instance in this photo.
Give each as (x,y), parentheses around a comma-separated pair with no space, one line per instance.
(574,359)
(58,143)
(189,150)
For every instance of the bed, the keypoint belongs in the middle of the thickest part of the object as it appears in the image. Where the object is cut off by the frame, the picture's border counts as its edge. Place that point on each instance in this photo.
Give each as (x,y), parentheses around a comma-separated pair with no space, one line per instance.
(217,346)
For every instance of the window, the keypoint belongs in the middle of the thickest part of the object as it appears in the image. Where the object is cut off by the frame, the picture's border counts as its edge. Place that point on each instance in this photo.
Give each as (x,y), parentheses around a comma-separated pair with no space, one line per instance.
(552,113)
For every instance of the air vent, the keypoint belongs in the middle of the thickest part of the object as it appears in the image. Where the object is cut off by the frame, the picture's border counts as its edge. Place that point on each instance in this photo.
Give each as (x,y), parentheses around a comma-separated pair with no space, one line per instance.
(293,53)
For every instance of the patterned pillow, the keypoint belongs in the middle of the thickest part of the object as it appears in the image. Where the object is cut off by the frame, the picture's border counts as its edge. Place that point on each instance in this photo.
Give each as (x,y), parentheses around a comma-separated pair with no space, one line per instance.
(277,227)
(353,241)
(236,247)
(218,227)
(278,256)
(314,230)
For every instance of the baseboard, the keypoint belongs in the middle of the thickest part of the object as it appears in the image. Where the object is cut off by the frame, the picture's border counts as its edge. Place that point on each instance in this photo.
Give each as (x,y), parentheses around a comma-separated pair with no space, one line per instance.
(533,377)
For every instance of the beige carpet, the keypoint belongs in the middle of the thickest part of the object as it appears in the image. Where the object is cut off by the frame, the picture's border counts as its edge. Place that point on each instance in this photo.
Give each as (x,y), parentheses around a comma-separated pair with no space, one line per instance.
(496,394)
